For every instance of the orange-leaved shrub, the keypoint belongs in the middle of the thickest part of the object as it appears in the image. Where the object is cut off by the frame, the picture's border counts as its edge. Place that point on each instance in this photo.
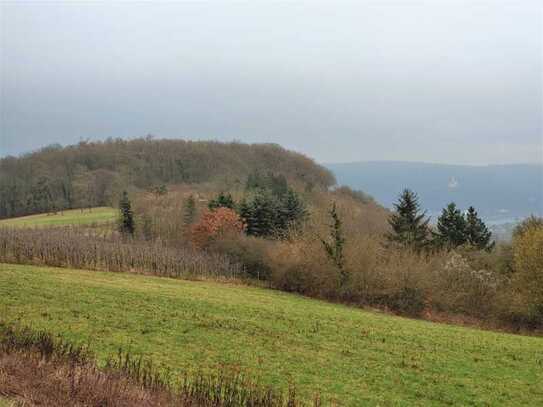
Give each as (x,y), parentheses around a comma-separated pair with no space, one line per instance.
(216,224)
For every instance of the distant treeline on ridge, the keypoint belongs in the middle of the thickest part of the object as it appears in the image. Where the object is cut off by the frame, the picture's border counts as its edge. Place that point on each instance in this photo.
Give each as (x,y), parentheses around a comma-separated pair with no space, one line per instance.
(93,173)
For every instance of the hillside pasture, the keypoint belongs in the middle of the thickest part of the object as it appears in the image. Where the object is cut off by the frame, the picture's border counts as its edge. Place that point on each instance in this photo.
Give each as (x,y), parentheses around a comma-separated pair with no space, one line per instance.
(72,217)
(346,354)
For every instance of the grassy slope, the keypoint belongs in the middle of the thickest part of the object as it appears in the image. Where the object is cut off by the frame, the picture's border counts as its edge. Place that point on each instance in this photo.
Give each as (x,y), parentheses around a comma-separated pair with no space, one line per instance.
(343,352)
(65,218)
(5,402)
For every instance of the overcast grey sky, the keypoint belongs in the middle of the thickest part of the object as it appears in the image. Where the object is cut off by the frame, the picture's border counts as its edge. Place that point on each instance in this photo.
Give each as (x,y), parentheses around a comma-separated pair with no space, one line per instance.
(436,81)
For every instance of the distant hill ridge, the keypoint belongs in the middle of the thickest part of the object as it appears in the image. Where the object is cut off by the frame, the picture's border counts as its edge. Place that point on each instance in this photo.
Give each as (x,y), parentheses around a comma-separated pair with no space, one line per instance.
(497,191)
(93,173)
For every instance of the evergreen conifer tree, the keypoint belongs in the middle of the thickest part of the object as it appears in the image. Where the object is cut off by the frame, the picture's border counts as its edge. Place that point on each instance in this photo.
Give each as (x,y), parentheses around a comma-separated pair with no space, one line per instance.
(335,243)
(291,210)
(409,226)
(477,234)
(262,214)
(189,210)
(127,226)
(222,200)
(451,227)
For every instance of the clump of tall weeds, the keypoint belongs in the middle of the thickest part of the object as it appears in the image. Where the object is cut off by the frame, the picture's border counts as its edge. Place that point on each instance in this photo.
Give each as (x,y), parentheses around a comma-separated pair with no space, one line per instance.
(37,368)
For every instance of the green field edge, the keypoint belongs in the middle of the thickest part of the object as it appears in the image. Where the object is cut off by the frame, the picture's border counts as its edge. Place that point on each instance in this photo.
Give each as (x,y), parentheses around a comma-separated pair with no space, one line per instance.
(345,353)
(97,215)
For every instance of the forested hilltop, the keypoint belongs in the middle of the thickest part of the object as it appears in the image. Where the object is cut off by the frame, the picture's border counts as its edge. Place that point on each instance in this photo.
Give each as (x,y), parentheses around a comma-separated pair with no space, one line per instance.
(94,173)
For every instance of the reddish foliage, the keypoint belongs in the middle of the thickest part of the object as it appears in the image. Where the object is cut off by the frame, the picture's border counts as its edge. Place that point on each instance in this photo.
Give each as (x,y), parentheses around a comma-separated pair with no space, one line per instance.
(216,224)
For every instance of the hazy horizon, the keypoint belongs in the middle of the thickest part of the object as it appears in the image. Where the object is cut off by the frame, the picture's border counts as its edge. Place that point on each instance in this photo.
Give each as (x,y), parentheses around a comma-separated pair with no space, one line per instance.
(454,82)
(319,162)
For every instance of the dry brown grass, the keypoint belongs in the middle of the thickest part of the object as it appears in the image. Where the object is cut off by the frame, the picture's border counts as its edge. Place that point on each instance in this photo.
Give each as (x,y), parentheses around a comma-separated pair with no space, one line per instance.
(29,379)
(38,370)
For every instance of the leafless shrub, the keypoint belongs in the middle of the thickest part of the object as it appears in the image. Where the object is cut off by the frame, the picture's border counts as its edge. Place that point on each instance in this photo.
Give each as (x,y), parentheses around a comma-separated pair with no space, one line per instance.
(459,288)
(71,247)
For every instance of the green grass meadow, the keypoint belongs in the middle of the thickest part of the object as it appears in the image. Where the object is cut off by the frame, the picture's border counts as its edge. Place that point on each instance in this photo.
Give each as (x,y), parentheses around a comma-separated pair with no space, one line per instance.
(356,357)
(64,218)
(6,403)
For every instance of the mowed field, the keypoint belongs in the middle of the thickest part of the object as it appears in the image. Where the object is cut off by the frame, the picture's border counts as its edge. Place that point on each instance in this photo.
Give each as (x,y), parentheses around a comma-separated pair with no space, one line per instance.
(354,356)
(64,218)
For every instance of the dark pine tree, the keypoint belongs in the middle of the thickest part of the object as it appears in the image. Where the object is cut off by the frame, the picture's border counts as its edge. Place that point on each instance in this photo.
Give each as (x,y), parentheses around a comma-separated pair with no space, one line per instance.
(477,234)
(189,210)
(451,227)
(127,217)
(244,211)
(222,201)
(409,226)
(291,210)
(335,243)
(260,214)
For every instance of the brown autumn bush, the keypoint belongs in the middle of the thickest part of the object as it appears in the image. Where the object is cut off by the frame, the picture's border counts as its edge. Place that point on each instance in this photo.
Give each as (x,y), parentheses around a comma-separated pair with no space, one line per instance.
(251,253)
(403,276)
(300,265)
(398,279)
(459,288)
(394,278)
(162,217)
(499,260)
(363,255)
(375,276)
(217,224)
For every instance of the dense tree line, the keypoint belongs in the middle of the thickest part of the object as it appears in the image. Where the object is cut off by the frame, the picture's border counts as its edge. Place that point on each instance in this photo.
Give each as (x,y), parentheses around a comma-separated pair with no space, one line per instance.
(269,207)
(92,173)
(410,226)
(456,229)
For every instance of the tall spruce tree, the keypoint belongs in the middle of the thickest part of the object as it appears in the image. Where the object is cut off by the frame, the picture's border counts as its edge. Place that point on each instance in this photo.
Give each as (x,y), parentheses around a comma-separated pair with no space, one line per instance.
(291,210)
(222,201)
(451,227)
(126,226)
(260,214)
(335,243)
(189,210)
(409,226)
(271,211)
(477,234)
